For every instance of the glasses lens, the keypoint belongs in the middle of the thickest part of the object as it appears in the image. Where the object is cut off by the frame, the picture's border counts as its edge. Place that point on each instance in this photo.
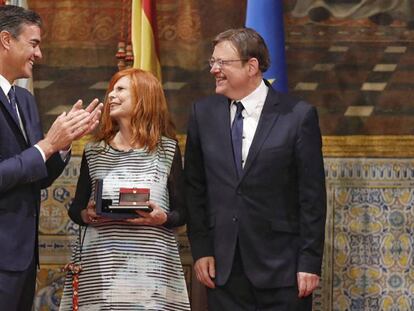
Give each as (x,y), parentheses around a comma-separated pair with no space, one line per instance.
(218,62)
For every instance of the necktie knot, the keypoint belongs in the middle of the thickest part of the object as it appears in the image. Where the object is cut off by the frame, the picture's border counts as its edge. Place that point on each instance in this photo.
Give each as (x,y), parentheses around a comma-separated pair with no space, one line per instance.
(239,108)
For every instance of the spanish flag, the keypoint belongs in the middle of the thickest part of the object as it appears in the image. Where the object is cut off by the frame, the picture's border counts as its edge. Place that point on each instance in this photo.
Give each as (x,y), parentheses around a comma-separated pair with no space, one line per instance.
(266,17)
(144,36)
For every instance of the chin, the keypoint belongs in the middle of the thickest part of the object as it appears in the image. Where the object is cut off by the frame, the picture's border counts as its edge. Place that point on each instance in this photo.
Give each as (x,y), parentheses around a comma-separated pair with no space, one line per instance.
(26,75)
(220,90)
(224,92)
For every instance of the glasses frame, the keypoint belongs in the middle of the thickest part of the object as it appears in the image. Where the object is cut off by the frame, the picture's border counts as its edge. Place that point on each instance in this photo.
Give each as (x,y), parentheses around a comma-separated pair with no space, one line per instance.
(222,62)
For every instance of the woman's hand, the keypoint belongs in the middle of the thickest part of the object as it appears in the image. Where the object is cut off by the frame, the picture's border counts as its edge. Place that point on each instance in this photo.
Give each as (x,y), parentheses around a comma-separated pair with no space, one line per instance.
(155,218)
(89,215)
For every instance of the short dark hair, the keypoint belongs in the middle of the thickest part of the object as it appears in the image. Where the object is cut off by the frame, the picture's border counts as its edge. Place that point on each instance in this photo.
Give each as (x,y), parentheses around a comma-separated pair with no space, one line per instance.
(248,44)
(13,17)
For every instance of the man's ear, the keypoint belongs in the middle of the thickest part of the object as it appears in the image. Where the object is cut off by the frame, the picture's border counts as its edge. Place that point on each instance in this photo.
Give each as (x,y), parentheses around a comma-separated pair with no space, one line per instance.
(5,39)
(253,64)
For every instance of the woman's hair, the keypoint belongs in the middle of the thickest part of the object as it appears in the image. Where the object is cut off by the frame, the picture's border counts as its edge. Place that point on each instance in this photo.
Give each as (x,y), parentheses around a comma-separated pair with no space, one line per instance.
(150,118)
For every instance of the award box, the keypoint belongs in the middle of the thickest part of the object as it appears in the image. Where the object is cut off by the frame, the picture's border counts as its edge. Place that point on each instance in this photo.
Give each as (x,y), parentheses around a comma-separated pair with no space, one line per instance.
(130,200)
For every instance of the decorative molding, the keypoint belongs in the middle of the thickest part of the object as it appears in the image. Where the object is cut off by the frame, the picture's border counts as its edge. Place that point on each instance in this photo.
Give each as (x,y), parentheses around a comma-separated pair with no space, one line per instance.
(370,146)
(360,146)
(355,146)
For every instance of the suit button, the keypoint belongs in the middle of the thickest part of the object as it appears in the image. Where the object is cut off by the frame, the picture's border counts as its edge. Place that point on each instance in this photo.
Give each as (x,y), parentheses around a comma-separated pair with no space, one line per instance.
(235,219)
(239,192)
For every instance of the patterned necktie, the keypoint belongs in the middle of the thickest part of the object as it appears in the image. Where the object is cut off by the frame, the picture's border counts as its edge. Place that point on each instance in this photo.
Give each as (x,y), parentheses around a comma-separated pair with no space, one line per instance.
(13,103)
(15,114)
(237,137)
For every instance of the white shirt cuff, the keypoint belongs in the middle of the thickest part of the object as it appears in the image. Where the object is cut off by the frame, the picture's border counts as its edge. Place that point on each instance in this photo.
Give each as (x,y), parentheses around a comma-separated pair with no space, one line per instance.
(63,153)
(41,152)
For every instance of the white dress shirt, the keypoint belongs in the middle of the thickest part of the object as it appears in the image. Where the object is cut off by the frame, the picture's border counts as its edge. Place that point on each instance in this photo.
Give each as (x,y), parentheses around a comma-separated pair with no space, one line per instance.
(253,106)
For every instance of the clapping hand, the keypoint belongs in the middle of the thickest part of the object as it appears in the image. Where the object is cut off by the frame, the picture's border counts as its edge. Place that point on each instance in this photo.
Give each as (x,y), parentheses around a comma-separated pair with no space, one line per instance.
(71,126)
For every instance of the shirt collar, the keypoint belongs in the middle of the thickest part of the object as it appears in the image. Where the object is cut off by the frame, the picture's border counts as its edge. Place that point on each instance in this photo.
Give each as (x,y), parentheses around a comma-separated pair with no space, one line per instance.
(255,99)
(5,85)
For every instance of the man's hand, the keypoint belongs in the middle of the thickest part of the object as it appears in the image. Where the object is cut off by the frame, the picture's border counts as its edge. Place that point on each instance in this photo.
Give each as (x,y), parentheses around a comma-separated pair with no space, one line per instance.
(307,283)
(94,109)
(71,126)
(206,271)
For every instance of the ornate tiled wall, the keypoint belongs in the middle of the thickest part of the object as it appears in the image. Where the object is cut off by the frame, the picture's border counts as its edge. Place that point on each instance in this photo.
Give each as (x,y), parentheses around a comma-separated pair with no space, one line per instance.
(368,255)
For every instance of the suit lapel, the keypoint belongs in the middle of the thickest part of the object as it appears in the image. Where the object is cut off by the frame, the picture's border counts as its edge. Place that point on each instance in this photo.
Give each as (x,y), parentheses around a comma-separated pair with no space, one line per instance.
(5,102)
(23,112)
(267,119)
(12,122)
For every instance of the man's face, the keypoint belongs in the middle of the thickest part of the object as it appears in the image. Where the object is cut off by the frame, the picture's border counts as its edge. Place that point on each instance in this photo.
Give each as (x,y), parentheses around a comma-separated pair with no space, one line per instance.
(24,50)
(232,78)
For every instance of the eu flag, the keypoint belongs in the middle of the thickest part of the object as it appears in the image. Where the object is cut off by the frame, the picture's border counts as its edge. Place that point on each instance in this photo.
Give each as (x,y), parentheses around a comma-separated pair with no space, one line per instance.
(266,17)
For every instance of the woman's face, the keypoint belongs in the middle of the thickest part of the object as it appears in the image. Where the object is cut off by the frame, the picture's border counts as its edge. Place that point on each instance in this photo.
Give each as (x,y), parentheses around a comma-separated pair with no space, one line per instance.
(120,100)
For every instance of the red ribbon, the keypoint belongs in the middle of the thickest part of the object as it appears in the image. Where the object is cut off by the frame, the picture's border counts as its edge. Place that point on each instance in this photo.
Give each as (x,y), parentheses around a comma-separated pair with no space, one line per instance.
(75,269)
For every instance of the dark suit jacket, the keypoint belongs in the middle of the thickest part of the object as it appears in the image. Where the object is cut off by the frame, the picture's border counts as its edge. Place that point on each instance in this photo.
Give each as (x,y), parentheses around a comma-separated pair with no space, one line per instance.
(22,174)
(276,210)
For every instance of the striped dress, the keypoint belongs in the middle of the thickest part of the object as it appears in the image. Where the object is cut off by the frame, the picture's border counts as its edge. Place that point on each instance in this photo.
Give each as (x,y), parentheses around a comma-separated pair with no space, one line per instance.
(126,266)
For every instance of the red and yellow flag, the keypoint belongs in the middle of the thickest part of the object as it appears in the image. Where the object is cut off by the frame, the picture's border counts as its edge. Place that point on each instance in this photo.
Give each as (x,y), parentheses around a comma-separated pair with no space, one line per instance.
(144,36)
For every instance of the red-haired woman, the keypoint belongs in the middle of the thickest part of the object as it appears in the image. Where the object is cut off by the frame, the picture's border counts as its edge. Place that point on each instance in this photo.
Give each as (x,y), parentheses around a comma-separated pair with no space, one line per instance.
(131,264)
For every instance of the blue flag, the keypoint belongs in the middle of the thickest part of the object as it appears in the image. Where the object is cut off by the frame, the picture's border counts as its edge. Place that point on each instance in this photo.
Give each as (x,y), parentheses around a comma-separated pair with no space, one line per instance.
(266,17)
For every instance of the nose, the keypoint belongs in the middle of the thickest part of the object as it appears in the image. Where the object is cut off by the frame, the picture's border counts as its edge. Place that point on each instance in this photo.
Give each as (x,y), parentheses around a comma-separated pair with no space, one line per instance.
(111,95)
(38,53)
(215,69)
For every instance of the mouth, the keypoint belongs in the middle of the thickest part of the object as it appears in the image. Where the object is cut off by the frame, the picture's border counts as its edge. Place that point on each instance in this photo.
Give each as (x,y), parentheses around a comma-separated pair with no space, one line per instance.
(220,80)
(113,105)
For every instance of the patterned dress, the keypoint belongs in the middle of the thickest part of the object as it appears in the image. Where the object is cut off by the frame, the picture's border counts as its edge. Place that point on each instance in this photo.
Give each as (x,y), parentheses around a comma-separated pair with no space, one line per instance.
(126,266)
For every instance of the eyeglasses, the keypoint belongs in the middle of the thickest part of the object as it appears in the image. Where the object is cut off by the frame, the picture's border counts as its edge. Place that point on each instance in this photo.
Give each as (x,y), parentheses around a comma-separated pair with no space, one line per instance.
(221,62)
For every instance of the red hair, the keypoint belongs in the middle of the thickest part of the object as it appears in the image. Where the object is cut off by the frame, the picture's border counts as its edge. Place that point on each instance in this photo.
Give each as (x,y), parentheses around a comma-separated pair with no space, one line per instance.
(150,118)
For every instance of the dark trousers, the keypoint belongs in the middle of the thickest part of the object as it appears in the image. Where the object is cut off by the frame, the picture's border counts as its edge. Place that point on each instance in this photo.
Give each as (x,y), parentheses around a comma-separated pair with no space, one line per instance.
(239,294)
(17,289)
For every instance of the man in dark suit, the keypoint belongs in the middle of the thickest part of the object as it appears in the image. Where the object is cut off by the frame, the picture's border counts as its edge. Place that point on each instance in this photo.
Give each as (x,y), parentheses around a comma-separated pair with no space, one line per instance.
(28,162)
(255,185)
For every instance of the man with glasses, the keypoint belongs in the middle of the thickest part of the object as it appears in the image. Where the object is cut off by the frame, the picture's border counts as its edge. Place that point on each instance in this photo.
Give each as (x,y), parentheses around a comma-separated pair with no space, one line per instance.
(255,185)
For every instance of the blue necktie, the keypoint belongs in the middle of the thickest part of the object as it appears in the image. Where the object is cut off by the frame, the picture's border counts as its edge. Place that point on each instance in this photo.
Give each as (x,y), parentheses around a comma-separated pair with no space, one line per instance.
(15,114)
(13,103)
(237,137)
